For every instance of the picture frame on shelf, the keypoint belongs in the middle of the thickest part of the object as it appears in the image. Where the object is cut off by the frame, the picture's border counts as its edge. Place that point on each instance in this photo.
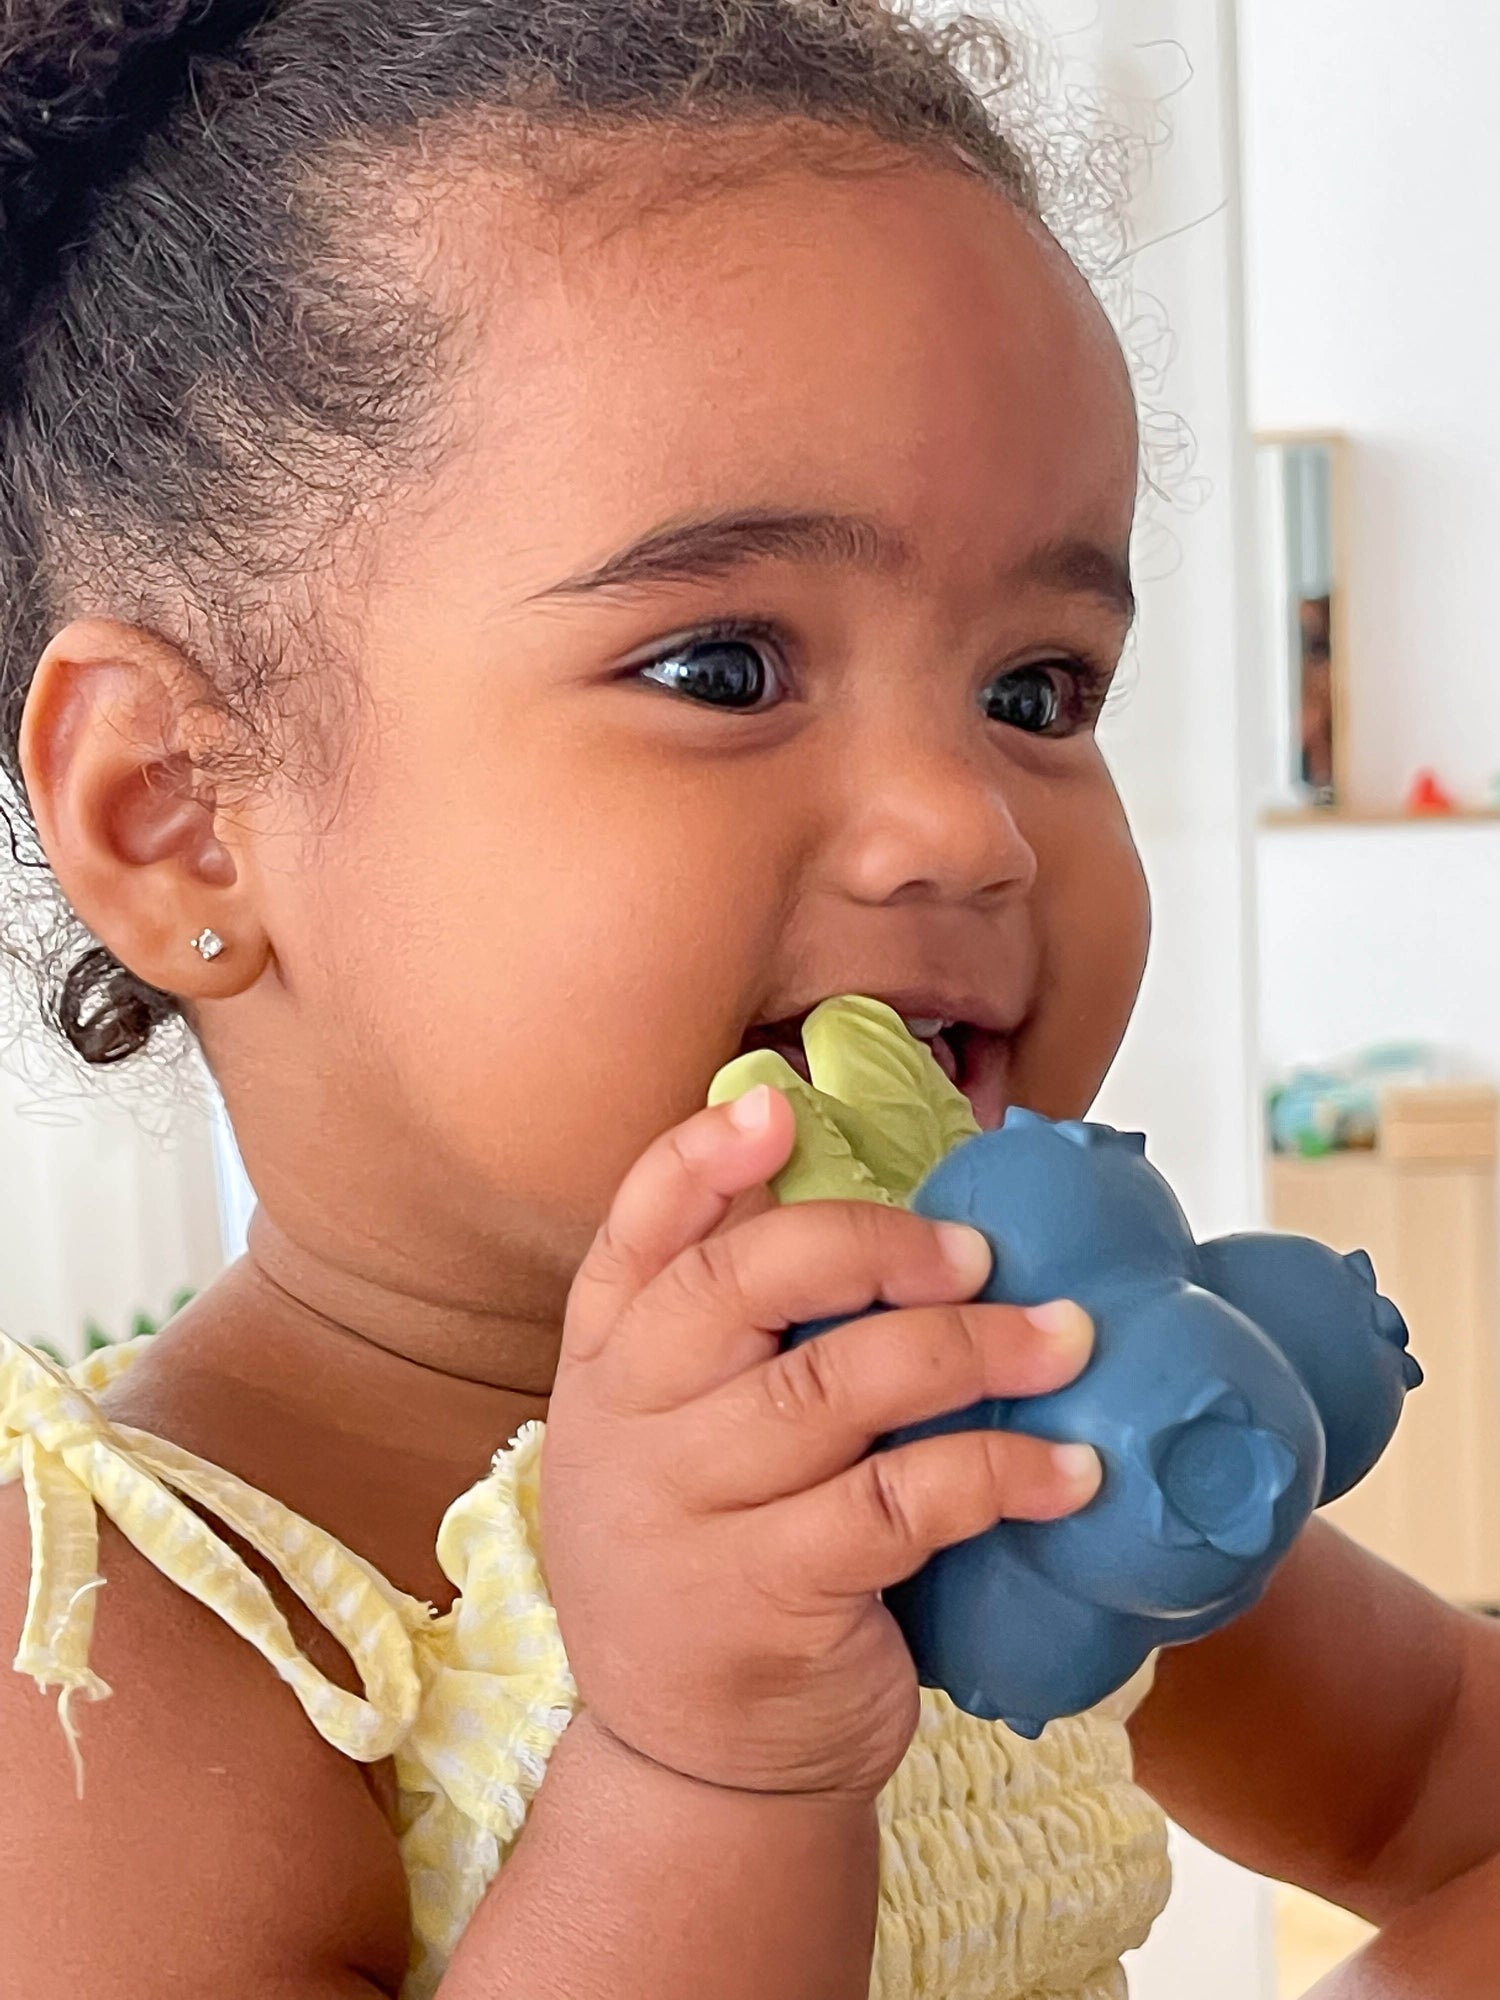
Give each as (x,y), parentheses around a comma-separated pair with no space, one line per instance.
(1302,482)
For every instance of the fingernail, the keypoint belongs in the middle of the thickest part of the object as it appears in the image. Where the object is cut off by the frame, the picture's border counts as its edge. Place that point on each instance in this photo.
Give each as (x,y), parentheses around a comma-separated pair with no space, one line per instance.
(751,1114)
(1080,1465)
(1063,1321)
(966,1253)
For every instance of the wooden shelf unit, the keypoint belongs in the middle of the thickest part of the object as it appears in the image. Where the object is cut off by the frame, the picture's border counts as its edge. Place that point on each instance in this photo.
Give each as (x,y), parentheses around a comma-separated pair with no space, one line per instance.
(1425,1207)
(1301,817)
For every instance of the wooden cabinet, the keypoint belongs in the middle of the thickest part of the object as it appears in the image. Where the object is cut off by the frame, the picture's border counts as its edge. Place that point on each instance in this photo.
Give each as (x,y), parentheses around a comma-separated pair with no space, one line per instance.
(1425,1206)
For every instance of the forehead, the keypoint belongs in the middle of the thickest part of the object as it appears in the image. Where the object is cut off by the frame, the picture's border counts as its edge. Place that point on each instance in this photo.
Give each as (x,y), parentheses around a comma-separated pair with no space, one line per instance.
(899,342)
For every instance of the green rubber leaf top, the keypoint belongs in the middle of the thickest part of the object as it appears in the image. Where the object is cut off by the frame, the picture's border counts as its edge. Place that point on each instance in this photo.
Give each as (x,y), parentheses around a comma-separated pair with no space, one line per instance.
(877,1116)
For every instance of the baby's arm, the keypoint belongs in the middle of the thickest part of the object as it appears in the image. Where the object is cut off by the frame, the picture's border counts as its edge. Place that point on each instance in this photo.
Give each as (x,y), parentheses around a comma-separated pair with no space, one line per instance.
(632,1880)
(220,1847)
(1346,1736)
(717,1533)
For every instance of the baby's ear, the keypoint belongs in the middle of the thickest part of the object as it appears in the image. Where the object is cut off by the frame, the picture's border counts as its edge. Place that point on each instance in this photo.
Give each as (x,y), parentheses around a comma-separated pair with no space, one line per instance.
(117,748)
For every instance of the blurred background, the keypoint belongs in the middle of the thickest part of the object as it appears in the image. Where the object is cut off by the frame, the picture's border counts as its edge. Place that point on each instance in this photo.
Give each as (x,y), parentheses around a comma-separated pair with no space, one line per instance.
(1308,742)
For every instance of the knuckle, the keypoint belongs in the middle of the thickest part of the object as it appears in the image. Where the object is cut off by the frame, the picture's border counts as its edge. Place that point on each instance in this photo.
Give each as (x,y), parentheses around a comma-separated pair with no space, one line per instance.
(889,1246)
(805,1382)
(707,1278)
(967,1332)
(1000,1457)
(601,1291)
(608,1261)
(875,1231)
(677,1148)
(887,1495)
(848,1234)
(940,1350)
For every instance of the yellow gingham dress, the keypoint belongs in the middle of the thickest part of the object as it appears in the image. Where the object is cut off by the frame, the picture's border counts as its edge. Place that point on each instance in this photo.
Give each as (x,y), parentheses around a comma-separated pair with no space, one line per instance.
(1009,1870)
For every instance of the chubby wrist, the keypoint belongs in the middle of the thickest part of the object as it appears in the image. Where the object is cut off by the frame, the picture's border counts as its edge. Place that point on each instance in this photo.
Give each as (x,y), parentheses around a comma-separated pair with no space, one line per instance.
(632,1879)
(593,1739)
(610,1759)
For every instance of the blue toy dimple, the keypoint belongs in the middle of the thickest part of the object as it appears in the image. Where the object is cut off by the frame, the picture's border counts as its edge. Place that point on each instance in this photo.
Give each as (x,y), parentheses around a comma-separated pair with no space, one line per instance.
(1235,1386)
(1220,1477)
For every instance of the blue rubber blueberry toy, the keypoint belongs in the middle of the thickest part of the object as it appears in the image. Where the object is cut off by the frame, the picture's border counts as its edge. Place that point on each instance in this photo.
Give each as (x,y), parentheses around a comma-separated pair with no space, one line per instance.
(1236,1385)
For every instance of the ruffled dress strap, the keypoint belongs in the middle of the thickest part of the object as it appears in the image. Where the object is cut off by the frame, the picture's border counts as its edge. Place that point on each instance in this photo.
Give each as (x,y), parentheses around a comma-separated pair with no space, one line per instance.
(72,1461)
(497,1693)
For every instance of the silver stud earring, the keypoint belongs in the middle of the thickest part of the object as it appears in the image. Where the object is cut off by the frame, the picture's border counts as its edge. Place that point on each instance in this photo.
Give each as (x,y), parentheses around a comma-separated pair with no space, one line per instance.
(208,944)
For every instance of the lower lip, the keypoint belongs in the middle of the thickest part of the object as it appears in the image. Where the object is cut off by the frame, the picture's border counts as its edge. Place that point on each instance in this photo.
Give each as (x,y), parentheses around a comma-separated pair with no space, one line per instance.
(984,1077)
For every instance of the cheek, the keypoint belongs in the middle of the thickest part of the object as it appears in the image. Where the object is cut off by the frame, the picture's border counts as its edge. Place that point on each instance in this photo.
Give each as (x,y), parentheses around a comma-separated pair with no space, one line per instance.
(1095,921)
(550,957)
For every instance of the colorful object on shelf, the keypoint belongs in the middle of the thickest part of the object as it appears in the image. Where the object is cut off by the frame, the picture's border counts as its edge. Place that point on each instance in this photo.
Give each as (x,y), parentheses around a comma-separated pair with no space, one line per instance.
(1429,798)
(1337,1109)
(1317,1112)
(1235,1386)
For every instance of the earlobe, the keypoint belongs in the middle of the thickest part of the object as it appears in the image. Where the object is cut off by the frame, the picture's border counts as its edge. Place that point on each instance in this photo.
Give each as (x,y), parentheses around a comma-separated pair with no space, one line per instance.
(116,749)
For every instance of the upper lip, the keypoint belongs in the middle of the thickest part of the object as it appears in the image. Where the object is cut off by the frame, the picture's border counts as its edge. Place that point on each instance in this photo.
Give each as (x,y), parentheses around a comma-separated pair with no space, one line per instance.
(952,1005)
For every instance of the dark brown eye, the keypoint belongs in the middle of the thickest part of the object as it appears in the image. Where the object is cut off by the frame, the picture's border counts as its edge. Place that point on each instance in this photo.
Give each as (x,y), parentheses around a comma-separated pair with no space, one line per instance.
(720,673)
(1040,699)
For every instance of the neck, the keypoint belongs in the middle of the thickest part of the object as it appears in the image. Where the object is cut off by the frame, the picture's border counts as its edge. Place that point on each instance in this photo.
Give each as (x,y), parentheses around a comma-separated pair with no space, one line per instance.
(507,1351)
(359,1407)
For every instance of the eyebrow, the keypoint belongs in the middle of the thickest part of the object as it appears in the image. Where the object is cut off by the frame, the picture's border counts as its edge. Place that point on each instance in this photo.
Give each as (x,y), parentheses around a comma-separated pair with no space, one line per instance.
(694,550)
(713,545)
(1083,569)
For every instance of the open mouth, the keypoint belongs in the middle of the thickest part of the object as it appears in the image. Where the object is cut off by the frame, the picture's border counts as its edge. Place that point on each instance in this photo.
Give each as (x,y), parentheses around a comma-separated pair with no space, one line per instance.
(975,1058)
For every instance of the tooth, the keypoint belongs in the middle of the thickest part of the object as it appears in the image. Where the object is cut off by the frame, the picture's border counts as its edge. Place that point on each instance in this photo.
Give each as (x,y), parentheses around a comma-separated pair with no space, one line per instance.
(924,1031)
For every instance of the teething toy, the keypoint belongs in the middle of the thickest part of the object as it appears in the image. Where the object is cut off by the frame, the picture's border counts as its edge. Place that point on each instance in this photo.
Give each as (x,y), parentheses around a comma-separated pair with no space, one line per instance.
(1236,1385)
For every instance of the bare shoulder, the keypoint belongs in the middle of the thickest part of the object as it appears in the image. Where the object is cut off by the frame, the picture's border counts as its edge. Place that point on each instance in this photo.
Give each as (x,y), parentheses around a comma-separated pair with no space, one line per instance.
(220,1845)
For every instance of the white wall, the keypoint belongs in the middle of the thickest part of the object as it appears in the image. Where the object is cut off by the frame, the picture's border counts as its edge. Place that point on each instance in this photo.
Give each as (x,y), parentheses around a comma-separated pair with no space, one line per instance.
(1373,289)
(107,1208)
(1374,292)
(1181,736)
(1380,933)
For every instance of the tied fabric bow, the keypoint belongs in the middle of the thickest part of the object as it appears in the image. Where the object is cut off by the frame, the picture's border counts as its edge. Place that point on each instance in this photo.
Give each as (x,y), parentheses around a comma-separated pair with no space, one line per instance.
(71,1459)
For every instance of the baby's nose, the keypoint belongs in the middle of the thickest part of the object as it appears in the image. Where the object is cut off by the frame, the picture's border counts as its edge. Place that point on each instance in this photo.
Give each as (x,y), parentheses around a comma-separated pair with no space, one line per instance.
(926,823)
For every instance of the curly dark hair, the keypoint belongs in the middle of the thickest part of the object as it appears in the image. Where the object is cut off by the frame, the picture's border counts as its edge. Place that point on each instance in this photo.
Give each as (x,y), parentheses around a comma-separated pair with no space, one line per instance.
(215,354)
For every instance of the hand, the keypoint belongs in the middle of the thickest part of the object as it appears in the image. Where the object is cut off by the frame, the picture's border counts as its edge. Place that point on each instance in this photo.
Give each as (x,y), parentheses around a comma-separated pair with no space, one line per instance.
(716,1528)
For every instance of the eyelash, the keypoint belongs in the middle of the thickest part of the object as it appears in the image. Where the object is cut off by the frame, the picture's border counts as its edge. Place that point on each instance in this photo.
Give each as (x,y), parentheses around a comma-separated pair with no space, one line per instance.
(758,635)
(1087,682)
(1086,690)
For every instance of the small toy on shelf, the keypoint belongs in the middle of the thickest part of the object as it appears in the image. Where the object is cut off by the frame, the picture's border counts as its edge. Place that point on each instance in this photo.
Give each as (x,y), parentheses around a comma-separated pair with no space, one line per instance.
(1336,1109)
(1429,797)
(1235,1385)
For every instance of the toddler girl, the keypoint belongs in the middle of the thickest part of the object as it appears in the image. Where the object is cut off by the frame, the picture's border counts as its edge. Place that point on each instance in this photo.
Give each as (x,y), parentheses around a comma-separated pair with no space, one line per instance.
(539,542)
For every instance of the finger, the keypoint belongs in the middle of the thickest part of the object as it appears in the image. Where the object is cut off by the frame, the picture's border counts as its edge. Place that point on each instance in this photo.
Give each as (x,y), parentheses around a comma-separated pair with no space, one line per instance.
(724,1304)
(680,1189)
(876,1524)
(803,1416)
